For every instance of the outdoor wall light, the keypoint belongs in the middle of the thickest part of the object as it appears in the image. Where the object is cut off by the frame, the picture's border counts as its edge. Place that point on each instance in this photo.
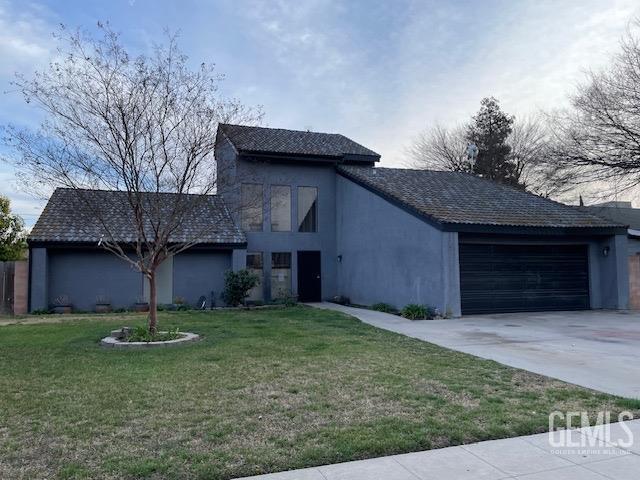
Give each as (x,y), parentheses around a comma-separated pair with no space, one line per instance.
(605,251)
(339,258)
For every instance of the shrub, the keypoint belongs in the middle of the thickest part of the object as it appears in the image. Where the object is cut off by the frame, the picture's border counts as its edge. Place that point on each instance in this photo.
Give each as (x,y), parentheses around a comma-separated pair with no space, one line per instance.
(341,300)
(414,311)
(383,307)
(237,286)
(141,334)
(285,298)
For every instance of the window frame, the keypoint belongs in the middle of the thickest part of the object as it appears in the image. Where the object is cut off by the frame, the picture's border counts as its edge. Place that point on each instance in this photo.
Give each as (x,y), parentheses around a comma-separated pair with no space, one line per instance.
(317,202)
(271,209)
(244,208)
(288,288)
(261,282)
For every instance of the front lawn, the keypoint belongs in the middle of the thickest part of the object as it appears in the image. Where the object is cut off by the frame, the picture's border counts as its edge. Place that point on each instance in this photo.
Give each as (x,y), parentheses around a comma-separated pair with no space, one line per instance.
(266,390)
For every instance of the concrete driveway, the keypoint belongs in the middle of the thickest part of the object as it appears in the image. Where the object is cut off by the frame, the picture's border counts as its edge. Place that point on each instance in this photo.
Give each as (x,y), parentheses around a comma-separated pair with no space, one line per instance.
(596,349)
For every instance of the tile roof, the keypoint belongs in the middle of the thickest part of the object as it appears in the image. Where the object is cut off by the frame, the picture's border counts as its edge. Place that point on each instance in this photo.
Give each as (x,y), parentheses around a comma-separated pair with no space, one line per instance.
(69,216)
(295,142)
(463,199)
(624,215)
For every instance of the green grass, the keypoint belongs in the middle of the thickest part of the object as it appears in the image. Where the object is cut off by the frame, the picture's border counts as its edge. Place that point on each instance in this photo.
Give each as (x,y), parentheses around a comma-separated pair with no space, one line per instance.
(266,390)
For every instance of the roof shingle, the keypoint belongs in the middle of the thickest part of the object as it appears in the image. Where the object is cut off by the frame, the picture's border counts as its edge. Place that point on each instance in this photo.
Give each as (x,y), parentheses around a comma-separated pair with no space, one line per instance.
(464,199)
(69,216)
(295,142)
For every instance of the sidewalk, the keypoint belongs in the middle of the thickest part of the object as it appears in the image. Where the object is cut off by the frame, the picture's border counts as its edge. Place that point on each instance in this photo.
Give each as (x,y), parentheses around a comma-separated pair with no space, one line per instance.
(522,458)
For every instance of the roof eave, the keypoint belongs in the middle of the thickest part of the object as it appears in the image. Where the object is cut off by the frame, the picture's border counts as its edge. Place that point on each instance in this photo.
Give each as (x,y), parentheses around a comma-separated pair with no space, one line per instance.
(534,229)
(288,157)
(39,243)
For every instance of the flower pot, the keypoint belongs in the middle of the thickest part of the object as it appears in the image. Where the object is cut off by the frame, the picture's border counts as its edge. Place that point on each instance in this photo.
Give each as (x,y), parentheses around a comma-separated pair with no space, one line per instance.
(62,309)
(141,307)
(103,308)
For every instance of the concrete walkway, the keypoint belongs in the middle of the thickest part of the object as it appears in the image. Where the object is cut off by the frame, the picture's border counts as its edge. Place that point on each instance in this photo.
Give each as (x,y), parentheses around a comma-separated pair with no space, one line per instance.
(523,458)
(597,349)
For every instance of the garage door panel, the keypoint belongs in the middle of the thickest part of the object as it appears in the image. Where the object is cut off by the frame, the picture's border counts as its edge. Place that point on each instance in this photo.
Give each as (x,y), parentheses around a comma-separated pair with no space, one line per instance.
(510,278)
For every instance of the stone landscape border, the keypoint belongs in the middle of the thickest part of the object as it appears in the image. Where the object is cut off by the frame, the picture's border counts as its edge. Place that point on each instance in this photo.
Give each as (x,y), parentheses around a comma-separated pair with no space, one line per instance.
(112,342)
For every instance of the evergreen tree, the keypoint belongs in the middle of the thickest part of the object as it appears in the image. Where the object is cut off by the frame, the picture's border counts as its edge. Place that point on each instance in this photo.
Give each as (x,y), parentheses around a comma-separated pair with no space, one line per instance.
(490,130)
(12,235)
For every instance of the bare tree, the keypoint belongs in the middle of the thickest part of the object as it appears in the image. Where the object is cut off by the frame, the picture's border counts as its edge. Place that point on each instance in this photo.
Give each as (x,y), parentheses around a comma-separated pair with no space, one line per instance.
(599,137)
(443,148)
(144,125)
(537,171)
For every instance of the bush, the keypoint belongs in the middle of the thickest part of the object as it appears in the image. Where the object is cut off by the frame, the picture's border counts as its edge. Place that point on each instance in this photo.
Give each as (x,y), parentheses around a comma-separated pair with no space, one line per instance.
(237,286)
(285,298)
(383,307)
(414,311)
(141,334)
(341,300)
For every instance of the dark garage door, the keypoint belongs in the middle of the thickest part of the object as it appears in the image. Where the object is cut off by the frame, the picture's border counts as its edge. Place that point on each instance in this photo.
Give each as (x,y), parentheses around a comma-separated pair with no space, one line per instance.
(521,278)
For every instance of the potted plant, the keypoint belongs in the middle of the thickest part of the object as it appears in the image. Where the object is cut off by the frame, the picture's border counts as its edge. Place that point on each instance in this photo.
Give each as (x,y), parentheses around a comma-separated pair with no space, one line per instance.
(62,304)
(180,303)
(103,304)
(141,305)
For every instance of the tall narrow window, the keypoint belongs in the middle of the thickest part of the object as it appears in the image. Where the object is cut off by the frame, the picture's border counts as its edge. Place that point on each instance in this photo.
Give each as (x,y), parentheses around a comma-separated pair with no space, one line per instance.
(280,274)
(307,209)
(254,265)
(280,208)
(251,208)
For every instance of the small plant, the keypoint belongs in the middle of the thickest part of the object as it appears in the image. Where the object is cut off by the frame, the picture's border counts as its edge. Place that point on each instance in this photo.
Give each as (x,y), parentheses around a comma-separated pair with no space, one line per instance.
(141,334)
(179,300)
(103,304)
(383,307)
(284,297)
(141,305)
(237,286)
(414,311)
(61,301)
(341,300)
(62,304)
(102,300)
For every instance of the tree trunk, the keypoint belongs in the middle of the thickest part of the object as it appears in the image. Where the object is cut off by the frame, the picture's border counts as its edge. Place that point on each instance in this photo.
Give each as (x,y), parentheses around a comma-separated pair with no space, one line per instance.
(153,304)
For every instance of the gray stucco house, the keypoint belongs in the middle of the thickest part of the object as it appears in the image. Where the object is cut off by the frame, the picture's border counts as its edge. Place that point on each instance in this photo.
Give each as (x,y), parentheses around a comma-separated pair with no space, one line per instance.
(312,215)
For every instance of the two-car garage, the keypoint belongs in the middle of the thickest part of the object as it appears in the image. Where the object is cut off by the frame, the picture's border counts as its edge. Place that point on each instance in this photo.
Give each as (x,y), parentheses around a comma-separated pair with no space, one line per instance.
(497,277)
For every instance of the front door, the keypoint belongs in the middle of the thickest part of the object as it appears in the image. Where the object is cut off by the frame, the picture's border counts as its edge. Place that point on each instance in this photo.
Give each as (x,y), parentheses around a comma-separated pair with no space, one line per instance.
(309,279)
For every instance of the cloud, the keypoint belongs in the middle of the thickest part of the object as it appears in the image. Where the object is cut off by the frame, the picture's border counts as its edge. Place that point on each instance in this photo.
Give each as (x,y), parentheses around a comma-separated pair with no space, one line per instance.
(25,37)
(25,45)
(530,55)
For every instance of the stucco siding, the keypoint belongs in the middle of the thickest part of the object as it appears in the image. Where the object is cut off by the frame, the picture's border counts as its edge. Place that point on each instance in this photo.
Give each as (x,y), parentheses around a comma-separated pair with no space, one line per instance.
(82,275)
(198,273)
(267,242)
(389,255)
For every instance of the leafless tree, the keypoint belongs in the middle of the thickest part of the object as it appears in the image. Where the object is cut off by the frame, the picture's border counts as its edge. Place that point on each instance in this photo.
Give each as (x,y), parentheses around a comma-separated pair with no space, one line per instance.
(599,137)
(443,148)
(538,173)
(144,125)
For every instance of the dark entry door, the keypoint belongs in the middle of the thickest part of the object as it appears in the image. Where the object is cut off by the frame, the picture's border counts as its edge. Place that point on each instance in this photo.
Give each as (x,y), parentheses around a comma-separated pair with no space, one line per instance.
(309,279)
(519,278)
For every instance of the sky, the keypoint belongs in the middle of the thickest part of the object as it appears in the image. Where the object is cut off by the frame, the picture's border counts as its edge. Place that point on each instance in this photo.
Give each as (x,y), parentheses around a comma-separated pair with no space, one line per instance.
(377,72)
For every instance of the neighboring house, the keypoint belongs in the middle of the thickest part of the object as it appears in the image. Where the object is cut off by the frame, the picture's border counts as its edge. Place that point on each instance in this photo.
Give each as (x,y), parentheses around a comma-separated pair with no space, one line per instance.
(316,219)
(624,213)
